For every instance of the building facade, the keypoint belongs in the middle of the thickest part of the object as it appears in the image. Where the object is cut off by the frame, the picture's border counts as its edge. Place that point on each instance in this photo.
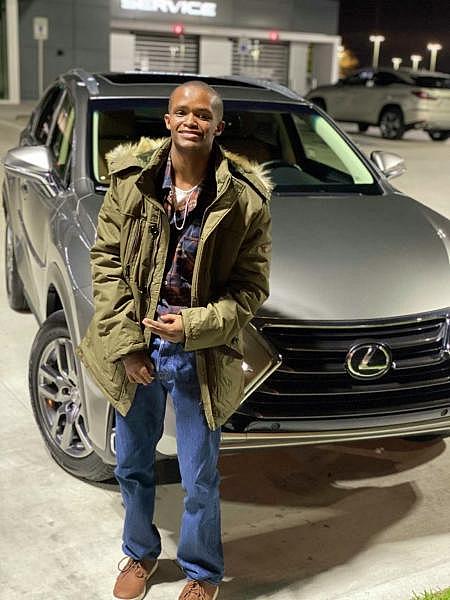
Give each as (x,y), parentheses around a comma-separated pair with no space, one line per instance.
(293,42)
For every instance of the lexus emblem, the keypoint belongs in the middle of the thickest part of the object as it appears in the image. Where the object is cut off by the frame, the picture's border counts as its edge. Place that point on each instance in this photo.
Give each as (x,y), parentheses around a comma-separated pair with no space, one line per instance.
(368,361)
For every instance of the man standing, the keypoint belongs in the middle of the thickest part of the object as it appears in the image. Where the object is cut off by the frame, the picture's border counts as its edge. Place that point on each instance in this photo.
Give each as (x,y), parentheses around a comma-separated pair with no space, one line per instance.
(180,265)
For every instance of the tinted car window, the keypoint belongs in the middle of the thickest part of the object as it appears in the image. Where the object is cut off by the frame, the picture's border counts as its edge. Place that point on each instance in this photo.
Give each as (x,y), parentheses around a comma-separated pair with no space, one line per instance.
(432,82)
(360,78)
(301,150)
(385,78)
(61,142)
(45,118)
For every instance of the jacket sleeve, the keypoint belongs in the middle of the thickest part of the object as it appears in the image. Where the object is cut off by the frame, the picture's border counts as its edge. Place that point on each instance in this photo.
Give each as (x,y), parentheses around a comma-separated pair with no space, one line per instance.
(248,287)
(115,315)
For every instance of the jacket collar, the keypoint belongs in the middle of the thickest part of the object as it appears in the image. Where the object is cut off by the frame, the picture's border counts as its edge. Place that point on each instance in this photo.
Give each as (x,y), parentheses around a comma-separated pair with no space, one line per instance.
(149,154)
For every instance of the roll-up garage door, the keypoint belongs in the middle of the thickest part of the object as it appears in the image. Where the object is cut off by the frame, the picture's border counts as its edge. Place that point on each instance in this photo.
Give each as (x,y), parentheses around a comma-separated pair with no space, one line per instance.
(157,52)
(257,58)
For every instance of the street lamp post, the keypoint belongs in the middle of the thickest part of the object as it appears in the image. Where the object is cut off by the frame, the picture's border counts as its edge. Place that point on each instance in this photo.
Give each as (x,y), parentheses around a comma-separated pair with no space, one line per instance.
(415,59)
(376,39)
(433,48)
(396,61)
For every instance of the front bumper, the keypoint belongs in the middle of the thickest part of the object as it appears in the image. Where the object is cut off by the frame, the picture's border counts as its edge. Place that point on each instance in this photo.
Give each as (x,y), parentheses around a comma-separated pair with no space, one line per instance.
(301,432)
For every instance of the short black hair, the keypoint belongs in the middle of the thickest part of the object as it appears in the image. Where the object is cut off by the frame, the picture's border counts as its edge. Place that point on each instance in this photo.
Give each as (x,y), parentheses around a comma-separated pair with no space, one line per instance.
(217,103)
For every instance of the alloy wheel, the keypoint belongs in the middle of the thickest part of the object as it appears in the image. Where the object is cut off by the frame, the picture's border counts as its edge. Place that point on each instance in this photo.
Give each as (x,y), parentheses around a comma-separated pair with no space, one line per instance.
(59,399)
(391,124)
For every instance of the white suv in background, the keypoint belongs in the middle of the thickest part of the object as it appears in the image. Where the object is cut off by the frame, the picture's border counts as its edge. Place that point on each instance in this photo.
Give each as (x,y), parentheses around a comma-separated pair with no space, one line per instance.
(393,100)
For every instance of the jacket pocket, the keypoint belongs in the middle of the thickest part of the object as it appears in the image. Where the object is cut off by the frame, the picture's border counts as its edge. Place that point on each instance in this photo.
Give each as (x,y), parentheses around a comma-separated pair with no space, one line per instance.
(236,346)
(227,378)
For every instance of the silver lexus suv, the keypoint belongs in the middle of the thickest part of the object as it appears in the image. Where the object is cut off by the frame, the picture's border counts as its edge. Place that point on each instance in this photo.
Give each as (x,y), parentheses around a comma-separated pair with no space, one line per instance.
(353,342)
(393,100)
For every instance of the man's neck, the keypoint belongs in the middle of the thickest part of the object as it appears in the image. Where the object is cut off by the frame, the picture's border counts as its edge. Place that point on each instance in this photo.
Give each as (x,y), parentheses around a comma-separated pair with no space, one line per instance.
(188,168)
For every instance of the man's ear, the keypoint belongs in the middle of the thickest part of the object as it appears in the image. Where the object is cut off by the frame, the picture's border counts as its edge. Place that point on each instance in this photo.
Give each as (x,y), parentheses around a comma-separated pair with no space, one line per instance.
(220,127)
(167,120)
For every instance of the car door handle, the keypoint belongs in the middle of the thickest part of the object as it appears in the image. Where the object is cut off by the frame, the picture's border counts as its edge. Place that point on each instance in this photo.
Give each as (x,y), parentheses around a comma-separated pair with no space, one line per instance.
(24,187)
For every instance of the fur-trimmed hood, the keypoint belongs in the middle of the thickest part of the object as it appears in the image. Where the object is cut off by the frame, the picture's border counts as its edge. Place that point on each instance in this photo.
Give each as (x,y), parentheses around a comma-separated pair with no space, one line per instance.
(138,154)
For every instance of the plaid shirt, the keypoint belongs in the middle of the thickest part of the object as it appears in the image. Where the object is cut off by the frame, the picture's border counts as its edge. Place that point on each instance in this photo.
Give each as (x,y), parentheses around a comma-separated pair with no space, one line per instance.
(176,211)
(177,284)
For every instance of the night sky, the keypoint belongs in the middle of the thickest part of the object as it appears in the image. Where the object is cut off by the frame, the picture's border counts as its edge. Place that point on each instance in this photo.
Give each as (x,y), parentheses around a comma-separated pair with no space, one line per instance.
(408,25)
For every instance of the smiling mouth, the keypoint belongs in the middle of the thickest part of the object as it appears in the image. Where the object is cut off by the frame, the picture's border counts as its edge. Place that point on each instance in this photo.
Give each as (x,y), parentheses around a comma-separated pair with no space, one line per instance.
(190,133)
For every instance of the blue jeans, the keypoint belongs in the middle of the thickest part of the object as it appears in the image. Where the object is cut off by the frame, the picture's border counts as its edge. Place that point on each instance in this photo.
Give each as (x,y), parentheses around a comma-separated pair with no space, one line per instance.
(137,434)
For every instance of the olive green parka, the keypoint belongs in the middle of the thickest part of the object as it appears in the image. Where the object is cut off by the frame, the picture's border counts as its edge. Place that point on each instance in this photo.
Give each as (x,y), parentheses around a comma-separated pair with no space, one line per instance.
(229,283)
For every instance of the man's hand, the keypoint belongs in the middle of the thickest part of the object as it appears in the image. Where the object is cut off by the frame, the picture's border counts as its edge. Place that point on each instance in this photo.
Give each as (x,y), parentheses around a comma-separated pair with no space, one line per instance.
(139,367)
(169,327)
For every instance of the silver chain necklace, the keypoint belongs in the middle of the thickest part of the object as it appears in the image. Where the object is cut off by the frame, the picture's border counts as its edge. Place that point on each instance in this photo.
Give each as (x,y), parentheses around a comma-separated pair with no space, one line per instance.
(186,207)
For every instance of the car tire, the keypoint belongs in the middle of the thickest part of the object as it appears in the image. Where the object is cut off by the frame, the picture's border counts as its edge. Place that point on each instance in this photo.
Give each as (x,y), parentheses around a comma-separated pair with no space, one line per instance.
(13,281)
(320,103)
(438,136)
(57,403)
(392,125)
(363,127)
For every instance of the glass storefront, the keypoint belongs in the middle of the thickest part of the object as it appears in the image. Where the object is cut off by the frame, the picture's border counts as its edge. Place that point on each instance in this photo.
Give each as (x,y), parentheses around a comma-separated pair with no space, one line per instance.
(3,52)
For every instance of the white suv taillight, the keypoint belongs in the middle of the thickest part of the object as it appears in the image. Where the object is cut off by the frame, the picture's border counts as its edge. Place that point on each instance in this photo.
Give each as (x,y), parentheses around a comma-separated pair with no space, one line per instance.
(423,95)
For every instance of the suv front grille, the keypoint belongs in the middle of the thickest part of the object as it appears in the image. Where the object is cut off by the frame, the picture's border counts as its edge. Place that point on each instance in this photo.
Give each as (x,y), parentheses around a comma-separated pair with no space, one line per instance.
(313,381)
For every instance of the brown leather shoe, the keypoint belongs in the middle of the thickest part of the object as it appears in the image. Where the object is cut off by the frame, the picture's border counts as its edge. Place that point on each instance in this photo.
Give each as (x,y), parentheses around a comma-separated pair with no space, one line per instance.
(199,590)
(131,583)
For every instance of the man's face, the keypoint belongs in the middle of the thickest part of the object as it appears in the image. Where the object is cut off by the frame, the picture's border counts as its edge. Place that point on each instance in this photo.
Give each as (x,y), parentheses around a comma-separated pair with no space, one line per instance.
(192,119)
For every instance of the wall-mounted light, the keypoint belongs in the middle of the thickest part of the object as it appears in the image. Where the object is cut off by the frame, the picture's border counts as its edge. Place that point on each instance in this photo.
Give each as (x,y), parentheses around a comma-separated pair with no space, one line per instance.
(178,28)
(274,36)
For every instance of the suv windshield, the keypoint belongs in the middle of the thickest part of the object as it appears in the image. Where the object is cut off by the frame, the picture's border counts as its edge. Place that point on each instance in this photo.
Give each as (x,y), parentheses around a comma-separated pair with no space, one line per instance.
(302,150)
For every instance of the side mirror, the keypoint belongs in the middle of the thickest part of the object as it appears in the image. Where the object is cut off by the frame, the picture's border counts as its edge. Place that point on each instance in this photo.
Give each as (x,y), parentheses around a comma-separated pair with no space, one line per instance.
(390,164)
(35,162)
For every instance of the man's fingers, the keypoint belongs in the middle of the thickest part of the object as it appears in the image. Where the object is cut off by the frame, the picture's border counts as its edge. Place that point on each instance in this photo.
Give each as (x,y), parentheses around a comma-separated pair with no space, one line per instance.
(150,322)
(162,327)
(168,318)
(165,321)
(136,377)
(143,374)
(169,327)
(146,373)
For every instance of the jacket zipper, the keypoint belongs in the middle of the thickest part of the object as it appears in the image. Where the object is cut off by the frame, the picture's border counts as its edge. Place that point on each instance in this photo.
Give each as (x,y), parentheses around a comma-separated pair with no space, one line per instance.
(164,222)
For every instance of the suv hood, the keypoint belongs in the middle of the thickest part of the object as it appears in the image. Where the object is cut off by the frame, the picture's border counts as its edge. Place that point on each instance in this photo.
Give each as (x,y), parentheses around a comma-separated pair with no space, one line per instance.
(346,257)
(357,257)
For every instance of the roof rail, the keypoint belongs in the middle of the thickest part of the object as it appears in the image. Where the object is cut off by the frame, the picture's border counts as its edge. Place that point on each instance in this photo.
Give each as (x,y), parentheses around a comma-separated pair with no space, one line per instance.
(134,76)
(87,78)
(166,77)
(270,85)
